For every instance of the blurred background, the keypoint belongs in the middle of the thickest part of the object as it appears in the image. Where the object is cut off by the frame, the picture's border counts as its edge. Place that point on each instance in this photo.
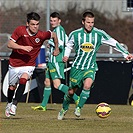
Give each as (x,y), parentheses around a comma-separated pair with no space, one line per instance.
(113,16)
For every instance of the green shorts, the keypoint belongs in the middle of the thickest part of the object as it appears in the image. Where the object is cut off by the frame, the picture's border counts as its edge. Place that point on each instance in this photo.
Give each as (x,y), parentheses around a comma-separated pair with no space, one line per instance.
(55,70)
(78,76)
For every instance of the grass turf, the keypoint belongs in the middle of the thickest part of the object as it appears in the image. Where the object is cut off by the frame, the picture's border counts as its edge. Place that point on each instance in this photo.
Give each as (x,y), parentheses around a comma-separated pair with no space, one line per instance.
(29,121)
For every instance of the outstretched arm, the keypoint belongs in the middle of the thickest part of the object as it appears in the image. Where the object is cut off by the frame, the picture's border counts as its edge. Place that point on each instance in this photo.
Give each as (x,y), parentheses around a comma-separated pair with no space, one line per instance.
(117,46)
(129,57)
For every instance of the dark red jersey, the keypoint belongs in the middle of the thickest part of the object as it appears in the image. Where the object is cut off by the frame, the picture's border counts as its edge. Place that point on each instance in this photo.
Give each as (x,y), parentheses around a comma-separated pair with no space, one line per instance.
(21,37)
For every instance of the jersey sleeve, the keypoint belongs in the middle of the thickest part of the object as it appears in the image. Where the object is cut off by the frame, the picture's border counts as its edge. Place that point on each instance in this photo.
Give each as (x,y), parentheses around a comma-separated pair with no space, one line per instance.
(16,34)
(47,35)
(106,39)
(69,46)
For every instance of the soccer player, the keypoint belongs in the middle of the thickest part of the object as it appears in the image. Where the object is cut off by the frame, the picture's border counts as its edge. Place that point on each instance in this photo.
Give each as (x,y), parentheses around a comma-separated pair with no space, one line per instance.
(55,66)
(25,43)
(86,42)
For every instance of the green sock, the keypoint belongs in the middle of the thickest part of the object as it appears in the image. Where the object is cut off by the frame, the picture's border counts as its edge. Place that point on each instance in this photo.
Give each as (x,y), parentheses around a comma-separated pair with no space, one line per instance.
(66,101)
(64,89)
(75,97)
(83,97)
(46,94)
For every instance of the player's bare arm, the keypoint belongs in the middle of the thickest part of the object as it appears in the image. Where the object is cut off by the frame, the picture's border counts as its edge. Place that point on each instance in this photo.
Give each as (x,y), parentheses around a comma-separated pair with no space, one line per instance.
(13,45)
(65,59)
(56,51)
(129,57)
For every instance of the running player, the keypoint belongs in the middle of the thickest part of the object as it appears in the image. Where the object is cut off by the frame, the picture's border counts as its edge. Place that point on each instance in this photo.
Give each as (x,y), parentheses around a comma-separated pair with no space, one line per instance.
(86,42)
(55,66)
(25,43)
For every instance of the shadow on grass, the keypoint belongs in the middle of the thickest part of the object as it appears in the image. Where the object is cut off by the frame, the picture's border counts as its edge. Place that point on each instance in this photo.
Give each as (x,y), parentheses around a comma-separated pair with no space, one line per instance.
(74,119)
(11,117)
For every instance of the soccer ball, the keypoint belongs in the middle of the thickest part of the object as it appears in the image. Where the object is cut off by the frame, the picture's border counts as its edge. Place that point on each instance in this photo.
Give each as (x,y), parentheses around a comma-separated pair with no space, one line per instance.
(103,110)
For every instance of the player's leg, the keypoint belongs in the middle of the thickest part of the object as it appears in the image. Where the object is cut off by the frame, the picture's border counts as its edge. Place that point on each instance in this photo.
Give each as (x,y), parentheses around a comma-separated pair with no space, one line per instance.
(85,93)
(18,94)
(46,93)
(83,98)
(87,79)
(23,75)
(68,96)
(57,75)
(10,95)
(13,78)
(64,88)
(65,106)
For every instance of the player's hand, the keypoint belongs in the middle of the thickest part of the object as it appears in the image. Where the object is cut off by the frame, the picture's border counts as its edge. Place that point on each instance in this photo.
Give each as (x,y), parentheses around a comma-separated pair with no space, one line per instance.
(56,52)
(129,57)
(27,48)
(48,46)
(65,59)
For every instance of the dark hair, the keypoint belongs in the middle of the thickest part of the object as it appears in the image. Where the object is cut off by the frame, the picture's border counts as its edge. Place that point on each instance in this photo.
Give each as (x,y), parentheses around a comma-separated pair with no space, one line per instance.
(55,15)
(33,16)
(87,14)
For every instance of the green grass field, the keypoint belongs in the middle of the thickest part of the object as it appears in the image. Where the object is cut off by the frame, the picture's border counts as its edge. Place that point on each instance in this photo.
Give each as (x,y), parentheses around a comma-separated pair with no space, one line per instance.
(29,121)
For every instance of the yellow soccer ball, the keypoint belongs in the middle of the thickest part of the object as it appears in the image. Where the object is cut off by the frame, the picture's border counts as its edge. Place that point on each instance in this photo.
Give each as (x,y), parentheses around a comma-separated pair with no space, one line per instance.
(103,110)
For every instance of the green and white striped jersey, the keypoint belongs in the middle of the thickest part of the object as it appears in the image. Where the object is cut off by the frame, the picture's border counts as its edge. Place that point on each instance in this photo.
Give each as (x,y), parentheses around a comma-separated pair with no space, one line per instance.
(62,39)
(87,44)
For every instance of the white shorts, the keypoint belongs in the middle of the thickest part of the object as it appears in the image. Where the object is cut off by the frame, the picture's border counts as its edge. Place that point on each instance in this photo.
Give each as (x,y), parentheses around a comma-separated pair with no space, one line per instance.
(16,72)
